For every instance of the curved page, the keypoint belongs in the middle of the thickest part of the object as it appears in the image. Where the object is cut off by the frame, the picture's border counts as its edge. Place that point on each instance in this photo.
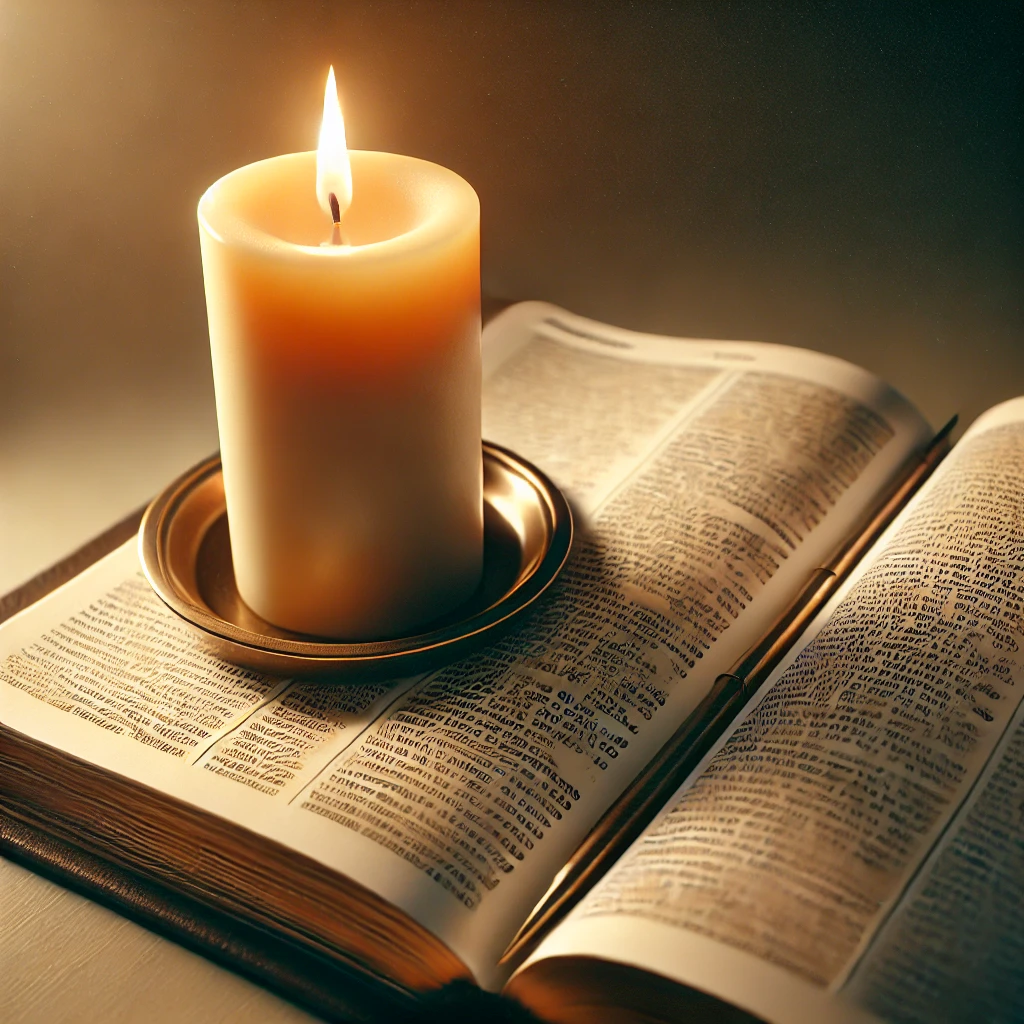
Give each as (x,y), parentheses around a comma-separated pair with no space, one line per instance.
(783,864)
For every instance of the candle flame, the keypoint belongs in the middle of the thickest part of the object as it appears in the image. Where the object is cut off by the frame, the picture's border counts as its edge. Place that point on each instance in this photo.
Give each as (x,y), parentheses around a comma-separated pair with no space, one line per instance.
(333,170)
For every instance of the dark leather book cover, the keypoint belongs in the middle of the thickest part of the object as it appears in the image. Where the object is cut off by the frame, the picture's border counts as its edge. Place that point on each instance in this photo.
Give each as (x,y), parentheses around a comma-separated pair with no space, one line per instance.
(316,983)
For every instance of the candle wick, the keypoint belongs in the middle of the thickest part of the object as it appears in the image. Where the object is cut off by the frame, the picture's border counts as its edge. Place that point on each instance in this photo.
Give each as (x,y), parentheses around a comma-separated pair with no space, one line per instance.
(336,236)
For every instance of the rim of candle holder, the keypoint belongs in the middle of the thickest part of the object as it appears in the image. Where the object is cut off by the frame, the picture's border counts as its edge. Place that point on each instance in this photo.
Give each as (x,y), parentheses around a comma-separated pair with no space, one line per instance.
(185,554)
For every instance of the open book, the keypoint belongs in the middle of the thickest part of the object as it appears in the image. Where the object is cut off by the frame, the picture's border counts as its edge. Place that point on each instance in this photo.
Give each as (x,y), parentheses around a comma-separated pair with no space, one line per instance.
(852,847)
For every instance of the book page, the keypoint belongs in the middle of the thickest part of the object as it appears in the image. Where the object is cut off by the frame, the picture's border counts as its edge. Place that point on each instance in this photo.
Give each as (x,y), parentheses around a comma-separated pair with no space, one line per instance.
(954,948)
(794,844)
(711,479)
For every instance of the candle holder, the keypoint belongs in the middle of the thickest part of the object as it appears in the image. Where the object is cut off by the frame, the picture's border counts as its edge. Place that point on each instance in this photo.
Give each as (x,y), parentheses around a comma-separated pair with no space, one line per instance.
(185,551)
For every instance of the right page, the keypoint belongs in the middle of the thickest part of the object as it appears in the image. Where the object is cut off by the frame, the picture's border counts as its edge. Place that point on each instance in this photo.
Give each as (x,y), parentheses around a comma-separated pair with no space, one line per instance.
(857,843)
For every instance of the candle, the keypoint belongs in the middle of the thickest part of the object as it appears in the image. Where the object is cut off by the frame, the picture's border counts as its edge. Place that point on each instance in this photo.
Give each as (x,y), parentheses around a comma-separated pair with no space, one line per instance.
(347,380)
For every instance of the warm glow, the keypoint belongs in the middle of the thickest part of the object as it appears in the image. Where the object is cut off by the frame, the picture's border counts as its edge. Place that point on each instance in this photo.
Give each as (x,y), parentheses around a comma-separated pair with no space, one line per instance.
(333,170)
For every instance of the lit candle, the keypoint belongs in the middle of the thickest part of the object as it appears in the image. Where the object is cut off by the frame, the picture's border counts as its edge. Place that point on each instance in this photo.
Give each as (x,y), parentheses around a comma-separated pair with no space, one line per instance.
(347,379)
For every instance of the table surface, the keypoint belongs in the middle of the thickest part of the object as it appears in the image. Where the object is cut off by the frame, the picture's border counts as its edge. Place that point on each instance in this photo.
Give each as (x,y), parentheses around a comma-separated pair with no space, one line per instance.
(64,958)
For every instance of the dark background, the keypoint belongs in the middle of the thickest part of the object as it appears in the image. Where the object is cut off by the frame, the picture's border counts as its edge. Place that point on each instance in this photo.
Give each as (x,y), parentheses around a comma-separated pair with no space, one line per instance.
(837,176)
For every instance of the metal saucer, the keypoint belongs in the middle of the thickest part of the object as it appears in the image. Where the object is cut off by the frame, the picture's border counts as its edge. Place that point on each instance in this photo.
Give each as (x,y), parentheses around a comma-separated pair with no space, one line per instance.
(186,555)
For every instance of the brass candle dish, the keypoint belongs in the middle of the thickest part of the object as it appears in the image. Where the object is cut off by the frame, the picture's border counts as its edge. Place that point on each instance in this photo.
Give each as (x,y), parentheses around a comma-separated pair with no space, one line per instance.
(185,551)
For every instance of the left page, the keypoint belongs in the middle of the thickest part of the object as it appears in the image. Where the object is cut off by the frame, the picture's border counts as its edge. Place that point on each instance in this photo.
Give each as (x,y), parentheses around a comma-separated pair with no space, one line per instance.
(710,480)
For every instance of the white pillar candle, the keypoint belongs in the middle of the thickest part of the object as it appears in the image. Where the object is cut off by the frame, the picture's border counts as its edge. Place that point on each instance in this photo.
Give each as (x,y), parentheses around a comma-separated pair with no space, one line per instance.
(347,380)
